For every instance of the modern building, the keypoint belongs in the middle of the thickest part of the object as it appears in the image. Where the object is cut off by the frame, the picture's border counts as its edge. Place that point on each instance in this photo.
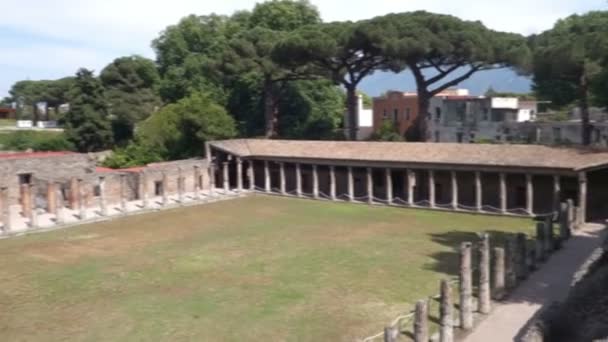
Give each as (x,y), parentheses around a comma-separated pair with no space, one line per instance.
(477,118)
(480,178)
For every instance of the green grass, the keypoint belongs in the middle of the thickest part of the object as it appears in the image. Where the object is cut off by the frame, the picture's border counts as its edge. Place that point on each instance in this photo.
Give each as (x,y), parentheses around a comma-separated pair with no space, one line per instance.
(21,140)
(258,268)
(7,122)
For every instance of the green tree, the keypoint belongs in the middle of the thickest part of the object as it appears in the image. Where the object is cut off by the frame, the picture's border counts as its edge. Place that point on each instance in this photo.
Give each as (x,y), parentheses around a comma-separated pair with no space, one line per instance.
(568,62)
(387,132)
(188,54)
(131,88)
(180,130)
(284,15)
(86,124)
(27,94)
(343,52)
(441,51)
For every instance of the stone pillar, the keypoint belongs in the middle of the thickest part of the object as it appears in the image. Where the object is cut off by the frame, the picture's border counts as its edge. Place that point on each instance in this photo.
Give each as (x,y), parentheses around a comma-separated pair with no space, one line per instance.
(557,192)
(82,205)
(197,182)
(432,188)
(143,178)
(74,193)
(498,275)
(582,198)
(51,198)
(298,180)
(454,190)
(466,287)
(511,262)
(103,205)
(411,185)
(315,182)
(478,192)
(33,212)
(540,242)
(180,186)
(503,192)
(351,184)
(282,178)
(267,177)
(421,321)
(529,194)
(123,193)
(484,276)
(5,210)
(225,177)
(564,229)
(165,190)
(239,174)
(211,179)
(332,182)
(370,186)
(251,175)
(446,315)
(60,217)
(389,186)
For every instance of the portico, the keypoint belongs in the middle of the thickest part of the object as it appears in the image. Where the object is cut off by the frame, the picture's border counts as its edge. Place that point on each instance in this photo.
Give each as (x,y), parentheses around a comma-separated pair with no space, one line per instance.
(429,176)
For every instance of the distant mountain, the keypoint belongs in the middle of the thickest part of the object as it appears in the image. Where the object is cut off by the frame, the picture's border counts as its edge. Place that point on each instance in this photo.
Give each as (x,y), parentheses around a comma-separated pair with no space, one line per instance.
(502,80)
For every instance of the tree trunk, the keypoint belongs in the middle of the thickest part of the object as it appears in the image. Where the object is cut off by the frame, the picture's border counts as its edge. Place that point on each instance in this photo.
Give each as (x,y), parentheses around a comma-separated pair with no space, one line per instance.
(421,133)
(352,119)
(585,120)
(271,112)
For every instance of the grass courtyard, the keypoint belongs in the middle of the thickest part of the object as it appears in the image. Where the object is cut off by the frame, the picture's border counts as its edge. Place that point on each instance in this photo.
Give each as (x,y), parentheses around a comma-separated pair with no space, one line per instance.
(252,269)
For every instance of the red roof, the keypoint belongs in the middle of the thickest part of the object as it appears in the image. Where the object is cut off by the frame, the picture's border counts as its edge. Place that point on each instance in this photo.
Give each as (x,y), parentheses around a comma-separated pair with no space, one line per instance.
(25,155)
(101,169)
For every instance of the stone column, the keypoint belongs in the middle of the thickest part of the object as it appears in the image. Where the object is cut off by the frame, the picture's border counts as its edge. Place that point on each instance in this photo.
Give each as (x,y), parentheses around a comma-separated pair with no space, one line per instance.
(446,316)
(197,182)
(251,175)
(282,178)
(82,201)
(351,184)
(421,321)
(60,217)
(466,287)
(298,180)
(478,192)
(315,182)
(180,186)
(370,186)
(582,198)
(211,179)
(557,192)
(123,193)
(389,186)
(165,190)
(498,274)
(484,276)
(503,192)
(51,198)
(454,190)
(432,188)
(5,210)
(529,194)
(225,177)
(33,212)
(332,182)
(239,174)
(103,205)
(267,177)
(411,185)
(143,178)
(74,193)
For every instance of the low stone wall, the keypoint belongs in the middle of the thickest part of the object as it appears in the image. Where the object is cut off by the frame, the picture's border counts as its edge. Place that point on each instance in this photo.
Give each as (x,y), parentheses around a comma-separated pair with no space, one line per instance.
(583,315)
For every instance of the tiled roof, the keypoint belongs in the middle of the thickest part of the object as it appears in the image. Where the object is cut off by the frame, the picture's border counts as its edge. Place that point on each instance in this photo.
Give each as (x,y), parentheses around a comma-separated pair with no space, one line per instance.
(503,155)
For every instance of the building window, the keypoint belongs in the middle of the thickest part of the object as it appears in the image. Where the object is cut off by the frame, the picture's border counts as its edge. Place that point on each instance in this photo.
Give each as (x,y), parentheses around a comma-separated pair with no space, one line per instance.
(472,137)
(408,112)
(25,178)
(158,188)
(486,113)
(437,136)
(97,190)
(498,138)
(385,114)
(437,113)
(395,115)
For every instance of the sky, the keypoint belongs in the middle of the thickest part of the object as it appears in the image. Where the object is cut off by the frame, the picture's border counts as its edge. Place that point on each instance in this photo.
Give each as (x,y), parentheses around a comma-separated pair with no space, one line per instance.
(49,39)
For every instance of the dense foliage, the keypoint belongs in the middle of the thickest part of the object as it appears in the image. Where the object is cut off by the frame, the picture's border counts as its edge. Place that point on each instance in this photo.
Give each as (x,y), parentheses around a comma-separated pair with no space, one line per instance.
(279,71)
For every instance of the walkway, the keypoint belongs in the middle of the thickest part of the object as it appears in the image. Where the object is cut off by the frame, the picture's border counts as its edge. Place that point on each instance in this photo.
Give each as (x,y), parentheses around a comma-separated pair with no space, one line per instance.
(551,283)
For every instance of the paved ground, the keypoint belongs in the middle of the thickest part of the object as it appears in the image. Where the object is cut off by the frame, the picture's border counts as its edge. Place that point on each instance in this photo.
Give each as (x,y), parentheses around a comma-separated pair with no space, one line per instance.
(551,283)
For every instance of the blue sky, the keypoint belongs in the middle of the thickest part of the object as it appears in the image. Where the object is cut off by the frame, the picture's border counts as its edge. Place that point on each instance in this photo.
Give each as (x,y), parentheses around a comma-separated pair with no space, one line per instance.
(48,39)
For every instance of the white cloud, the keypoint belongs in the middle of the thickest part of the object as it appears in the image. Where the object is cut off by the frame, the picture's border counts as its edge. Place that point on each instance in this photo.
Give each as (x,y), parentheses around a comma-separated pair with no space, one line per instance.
(74,33)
